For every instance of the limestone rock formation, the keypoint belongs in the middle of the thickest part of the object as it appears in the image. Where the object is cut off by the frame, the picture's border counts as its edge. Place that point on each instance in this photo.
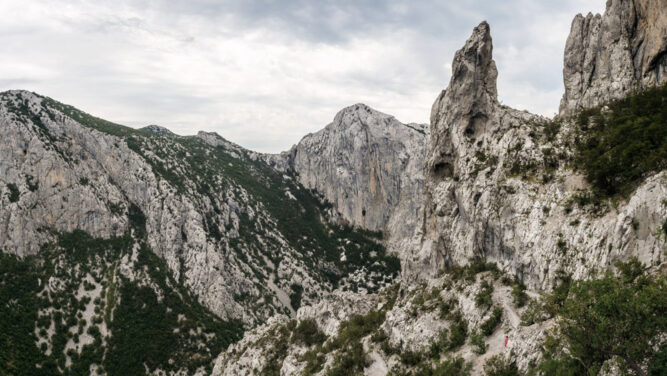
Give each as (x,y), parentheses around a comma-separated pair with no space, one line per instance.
(498,189)
(608,56)
(476,207)
(212,212)
(369,166)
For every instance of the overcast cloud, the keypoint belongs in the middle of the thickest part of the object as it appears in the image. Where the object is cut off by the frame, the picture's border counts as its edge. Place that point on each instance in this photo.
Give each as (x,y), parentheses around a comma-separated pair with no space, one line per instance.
(264,73)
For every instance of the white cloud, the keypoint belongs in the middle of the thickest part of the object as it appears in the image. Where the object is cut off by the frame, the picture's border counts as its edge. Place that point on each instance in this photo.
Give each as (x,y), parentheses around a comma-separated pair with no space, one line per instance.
(263,76)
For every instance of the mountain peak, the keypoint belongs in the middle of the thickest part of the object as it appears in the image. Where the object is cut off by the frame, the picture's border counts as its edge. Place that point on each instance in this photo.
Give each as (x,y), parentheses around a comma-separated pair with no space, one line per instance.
(361,108)
(156,129)
(474,71)
(361,113)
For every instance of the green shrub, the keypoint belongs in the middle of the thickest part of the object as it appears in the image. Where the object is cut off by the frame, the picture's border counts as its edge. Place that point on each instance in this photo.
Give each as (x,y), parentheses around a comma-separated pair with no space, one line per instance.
(519,294)
(498,365)
(458,331)
(411,358)
(453,367)
(349,362)
(295,296)
(468,272)
(484,298)
(490,325)
(357,327)
(609,317)
(13,192)
(532,314)
(307,333)
(618,147)
(478,344)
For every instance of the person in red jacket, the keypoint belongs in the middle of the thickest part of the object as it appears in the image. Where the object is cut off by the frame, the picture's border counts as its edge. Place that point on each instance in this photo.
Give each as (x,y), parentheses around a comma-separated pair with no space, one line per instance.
(506,339)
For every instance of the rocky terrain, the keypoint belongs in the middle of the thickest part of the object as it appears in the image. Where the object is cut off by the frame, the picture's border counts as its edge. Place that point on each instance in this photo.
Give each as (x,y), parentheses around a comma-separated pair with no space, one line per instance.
(511,220)
(608,56)
(246,240)
(140,251)
(369,166)
(501,183)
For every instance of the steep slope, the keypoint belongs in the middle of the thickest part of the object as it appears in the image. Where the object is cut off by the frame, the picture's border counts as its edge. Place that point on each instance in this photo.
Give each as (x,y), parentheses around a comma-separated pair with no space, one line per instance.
(246,240)
(87,305)
(368,165)
(520,268)
(609,56)
(501,185)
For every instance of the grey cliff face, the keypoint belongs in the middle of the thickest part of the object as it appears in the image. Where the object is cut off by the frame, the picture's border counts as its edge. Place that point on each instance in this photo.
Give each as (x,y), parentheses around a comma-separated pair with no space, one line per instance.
(368,165)
(475,208)
(211,210)
(478,205)
(608,56)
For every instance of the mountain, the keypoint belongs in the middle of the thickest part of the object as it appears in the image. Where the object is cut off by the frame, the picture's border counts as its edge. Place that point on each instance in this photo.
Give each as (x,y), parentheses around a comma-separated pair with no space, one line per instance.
(493,241)
(541,248)
(225,235)
(501,183)
(368,165)
(608,56)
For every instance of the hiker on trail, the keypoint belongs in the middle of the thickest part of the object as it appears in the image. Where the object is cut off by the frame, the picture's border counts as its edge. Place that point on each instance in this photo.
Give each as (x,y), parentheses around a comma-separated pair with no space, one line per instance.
(506,339)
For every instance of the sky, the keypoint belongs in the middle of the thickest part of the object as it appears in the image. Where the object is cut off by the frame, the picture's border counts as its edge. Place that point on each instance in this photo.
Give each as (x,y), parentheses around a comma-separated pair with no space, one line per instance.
(264,73)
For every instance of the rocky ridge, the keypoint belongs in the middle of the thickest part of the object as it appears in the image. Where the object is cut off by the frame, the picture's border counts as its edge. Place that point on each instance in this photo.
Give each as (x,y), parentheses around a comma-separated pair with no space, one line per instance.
(493,194)
(368,165)
(608,56)
(501,197)
(213,213)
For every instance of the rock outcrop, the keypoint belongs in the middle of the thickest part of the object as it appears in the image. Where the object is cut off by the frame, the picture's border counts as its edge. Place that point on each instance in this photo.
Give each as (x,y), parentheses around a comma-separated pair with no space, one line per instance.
(608,56)
(212,212)
(477,208)
(158,130)
(368,165)
(499,188)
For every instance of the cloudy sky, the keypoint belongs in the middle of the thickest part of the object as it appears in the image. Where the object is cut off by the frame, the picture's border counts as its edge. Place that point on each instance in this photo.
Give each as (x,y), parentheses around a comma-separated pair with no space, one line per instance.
(263,73)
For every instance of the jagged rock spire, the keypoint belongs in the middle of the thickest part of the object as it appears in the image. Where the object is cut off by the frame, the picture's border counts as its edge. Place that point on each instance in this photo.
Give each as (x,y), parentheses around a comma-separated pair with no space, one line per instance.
(464,108)
(474,72)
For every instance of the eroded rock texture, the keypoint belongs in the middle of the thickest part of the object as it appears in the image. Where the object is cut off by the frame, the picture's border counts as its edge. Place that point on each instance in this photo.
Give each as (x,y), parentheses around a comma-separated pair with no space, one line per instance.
(369,166)
(608,56)
(478,206)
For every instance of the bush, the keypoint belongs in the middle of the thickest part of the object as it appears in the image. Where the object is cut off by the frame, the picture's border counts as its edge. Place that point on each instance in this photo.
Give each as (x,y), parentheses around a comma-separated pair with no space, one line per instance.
(13,192)
(478,344)
(519,294)
(307,333)
(609,318)
(357,327)
(490,325)
(453,367)
(349,362)
(295,296)
(619,147)
(468,272)
(457,332)
(483,299)
(498,365)
(532,314)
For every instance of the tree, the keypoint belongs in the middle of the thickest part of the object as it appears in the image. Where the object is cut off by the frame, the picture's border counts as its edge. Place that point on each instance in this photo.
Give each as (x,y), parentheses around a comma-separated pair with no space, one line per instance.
(615,317)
